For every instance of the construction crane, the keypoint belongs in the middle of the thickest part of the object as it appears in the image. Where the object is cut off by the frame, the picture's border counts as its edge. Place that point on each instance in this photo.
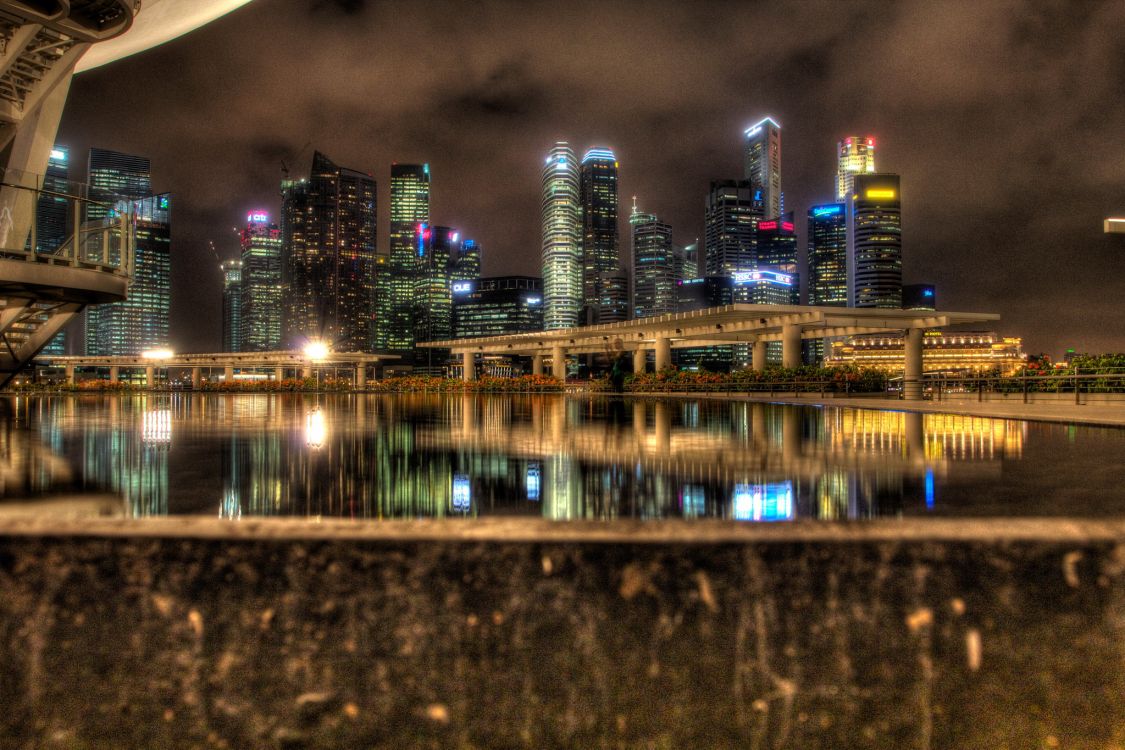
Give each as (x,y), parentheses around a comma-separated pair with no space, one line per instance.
(285,167)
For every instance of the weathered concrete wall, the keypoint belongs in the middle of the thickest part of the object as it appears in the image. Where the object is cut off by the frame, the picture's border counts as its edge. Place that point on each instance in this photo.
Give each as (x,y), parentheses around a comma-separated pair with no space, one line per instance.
(128,642)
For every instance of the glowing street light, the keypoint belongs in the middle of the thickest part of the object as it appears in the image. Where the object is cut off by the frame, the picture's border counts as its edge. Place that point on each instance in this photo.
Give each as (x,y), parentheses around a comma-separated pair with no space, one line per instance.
(316,350)
(1114,226)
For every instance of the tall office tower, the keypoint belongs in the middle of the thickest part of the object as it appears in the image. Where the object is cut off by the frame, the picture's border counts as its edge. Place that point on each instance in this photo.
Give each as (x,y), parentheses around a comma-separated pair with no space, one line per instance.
(140,323)
(261,284)
(600,243)
(466,266)
(828,255)
(855,155)
(232,305)
(686,260)
(410,207)
(114,176)
(698,294)
(777,251)
(874,216)
(613,296)
(51,213)
(763,163)
(328,257)
(654,282)
(562,240)
(438,251)
(731,221)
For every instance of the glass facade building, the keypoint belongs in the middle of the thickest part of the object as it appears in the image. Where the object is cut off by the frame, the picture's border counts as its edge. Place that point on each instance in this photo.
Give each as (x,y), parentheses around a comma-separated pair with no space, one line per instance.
(51,220)
(776,251)
(828,255)
(139,323)
(114,176)
(497,305)
(260,326)
(328,257)
(232,305)
(733,210)
(600,241)
(874,217)
(410,207)
(654,266)
(562,239)
(762,162)
(854,155)
(763,288)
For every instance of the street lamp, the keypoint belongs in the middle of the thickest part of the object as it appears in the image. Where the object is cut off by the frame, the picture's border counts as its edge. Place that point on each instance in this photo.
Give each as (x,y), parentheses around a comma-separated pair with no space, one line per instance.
(317,351)
(158,354)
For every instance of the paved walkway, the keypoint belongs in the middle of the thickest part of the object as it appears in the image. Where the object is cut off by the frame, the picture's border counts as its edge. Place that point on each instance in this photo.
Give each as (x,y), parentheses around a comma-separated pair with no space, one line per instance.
(1094,412)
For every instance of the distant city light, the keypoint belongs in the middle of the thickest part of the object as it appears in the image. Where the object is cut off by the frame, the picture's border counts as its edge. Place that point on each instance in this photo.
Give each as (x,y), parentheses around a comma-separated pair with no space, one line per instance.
(756,128)
(158,354)
(827,210)
(1115,226)
(787,226)
(257,217)
(877,194)
(157,426)
(316,350)
(58,155)
(460,287)
(767,225)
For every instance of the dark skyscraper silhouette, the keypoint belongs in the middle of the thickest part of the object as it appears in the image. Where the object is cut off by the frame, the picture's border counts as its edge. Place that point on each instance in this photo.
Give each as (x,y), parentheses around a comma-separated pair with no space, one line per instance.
(328,249)
(600,240)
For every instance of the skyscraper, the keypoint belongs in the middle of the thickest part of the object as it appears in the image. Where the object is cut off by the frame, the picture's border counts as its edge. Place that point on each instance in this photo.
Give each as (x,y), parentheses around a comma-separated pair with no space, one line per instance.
(466,266)
(114,176)
(438,251)
(855,155)
(260,329)
(328,257)
(410,207)
(777,252)
(51,221)
(654,282)
(763,163)
(139,323)
(232,305)
(731,221)
(562,239)
(497,305)
(874,216)
(828,255)
(600,248)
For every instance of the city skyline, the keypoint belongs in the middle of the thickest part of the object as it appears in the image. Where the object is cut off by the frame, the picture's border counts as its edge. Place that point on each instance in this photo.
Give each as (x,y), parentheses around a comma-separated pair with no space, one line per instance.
(674,126)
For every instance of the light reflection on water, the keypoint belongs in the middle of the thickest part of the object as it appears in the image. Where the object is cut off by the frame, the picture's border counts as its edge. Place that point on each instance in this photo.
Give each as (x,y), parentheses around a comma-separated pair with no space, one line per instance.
(407,456)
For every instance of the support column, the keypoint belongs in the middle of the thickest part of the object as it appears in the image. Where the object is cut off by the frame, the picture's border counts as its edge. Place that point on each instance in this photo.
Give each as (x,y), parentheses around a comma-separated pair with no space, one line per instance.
(640,360)
(536,364)
(150,376)
(759,360)
(279,373)
(361,375)
(306,371)
(912,378)
(196,378)
(468,366)
(228,373)
(114,373)
(558,362)
(70,374)
(791,345)
(663,353)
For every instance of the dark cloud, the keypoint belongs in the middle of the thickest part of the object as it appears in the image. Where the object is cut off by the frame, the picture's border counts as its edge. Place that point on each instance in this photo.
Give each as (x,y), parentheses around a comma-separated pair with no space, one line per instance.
(1003,118)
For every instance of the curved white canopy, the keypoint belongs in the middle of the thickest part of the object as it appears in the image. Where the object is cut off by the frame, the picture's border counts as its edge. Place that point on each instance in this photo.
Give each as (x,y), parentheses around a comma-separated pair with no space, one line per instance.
(157,22)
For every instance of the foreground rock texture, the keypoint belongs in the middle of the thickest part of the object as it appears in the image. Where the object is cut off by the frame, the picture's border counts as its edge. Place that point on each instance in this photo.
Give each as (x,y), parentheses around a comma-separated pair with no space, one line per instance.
(289,643)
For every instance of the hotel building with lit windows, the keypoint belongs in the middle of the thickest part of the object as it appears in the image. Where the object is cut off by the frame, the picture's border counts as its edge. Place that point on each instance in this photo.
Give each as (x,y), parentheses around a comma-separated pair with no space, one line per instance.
(948,352)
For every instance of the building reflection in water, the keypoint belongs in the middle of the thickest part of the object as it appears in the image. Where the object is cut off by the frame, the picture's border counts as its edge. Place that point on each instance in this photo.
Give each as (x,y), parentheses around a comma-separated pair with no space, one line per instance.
(429,455)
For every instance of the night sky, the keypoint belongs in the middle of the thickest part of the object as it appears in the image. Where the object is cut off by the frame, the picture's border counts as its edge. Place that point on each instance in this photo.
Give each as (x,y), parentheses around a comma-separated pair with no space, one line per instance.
(1005,120)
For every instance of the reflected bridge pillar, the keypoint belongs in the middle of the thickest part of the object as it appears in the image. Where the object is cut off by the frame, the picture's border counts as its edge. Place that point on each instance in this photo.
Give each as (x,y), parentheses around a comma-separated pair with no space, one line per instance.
(558,362)
(758,363)
(791,345)
(468,366)
(640,359)
(912,378)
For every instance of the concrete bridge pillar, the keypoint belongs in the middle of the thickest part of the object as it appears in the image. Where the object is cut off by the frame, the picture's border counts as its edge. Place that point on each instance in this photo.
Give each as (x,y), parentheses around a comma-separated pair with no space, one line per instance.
(196,378)
(307,371)
(150,376)
(361,375)
(70,374)
(663,353)
(640,359)
(279,373)
(536,364)
(114,373)
(791,345)
(468,366)
(228,373)
(758,361)
(558,361)
(912,378)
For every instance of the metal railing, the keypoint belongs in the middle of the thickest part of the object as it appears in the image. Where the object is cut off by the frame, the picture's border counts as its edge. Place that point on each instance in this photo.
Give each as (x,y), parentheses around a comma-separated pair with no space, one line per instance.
(1027,387)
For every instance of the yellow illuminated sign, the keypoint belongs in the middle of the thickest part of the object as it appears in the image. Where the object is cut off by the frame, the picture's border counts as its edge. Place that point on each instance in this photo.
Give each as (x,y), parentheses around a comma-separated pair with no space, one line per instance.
(880,194)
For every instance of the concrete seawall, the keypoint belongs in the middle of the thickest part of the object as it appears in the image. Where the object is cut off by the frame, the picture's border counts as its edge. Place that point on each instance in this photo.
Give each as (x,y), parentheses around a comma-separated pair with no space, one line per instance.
(930,634)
